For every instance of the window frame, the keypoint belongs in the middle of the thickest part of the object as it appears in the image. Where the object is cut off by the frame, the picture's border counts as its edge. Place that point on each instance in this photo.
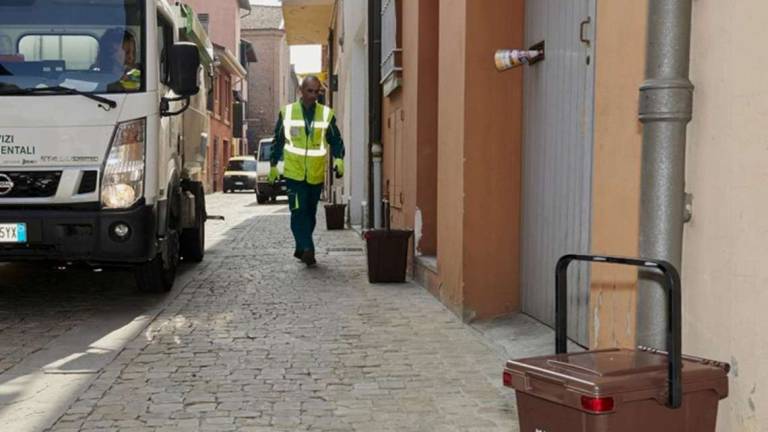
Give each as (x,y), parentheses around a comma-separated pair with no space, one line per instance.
(169,38)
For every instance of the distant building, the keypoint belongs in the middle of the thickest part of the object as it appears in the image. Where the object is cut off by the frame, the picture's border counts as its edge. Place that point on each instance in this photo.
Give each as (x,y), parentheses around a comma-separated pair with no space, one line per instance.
(229,93)
(272,81)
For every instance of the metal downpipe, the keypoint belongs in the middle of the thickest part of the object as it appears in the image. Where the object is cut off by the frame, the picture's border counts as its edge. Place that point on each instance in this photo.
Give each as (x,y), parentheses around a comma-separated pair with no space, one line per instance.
(666,107)
(374,113)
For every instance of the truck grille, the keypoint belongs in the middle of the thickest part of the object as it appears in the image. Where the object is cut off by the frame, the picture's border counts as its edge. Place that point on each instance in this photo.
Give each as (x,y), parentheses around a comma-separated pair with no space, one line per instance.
(31,184)
(88,182)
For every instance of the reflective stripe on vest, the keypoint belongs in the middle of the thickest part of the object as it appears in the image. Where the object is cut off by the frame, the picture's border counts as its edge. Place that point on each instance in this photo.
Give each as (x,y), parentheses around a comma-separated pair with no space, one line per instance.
(289,123)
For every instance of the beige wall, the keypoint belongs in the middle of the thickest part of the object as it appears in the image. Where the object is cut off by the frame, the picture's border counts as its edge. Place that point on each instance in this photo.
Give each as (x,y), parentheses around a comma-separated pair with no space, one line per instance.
(725,298)
(616,168)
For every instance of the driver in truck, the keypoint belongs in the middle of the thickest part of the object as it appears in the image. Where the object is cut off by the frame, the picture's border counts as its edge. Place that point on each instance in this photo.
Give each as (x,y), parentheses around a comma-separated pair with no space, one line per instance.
(117,55)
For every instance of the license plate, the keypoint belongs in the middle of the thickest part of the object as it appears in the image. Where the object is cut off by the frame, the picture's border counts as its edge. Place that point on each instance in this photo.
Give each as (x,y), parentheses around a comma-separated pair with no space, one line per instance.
(13,233)
(238,183)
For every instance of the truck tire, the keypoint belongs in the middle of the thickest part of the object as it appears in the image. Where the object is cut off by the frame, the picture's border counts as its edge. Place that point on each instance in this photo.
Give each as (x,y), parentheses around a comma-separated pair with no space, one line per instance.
(193,239)
(262,199)
(153,277)
(158,275)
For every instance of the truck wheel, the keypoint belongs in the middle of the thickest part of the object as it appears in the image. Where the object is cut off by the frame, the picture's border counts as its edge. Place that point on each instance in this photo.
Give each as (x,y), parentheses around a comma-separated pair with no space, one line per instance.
(193,239)
(262,199)
(156,276)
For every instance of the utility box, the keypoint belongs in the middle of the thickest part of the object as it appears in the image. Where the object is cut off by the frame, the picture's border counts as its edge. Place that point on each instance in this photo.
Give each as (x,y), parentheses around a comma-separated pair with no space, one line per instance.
(618,389)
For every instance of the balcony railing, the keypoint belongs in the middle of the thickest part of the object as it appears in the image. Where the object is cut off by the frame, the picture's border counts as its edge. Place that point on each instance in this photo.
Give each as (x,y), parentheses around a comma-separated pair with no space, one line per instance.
(391,54)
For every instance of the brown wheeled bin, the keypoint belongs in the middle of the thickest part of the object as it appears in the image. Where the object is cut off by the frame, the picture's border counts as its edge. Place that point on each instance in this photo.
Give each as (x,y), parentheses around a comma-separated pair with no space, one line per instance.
(334,216)
(618,390)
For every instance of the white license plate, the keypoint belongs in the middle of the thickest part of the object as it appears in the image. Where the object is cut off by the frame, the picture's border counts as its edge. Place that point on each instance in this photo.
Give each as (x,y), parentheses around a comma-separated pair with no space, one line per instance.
(13,233)
(238,183)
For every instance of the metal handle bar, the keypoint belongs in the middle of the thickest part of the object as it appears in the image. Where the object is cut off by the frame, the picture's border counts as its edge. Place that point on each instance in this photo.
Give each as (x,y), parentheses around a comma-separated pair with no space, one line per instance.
(674,313)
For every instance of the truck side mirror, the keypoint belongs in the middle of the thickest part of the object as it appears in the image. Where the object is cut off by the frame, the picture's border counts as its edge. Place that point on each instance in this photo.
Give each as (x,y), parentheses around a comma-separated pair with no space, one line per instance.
(184,62)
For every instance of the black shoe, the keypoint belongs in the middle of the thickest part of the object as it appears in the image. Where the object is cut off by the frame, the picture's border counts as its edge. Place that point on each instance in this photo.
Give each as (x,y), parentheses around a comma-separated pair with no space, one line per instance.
(299,255)
(308,258)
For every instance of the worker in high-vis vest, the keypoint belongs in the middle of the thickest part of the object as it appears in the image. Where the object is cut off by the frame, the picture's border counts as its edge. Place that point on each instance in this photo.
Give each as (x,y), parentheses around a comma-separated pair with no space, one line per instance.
(304,132)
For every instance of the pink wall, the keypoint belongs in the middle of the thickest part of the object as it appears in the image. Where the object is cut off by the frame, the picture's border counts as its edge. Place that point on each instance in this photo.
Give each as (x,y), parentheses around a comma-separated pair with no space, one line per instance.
(224,21)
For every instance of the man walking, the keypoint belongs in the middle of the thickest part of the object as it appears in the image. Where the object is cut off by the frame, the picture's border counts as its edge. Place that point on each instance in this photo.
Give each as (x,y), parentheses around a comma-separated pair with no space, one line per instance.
(303,132)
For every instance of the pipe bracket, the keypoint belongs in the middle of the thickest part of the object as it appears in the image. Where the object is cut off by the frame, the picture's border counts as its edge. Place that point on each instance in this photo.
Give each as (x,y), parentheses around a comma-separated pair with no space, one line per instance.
(666,100)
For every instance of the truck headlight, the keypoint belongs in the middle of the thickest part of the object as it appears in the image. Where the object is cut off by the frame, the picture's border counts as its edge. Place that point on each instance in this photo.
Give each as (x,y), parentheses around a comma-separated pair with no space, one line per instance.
(123,181)
(263,178)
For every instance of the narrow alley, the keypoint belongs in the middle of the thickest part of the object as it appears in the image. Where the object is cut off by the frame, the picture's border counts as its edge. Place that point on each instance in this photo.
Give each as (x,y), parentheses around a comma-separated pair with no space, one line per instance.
(256,341)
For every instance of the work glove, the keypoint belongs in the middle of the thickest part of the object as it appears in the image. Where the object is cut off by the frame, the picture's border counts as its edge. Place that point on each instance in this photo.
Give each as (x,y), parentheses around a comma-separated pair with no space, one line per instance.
(273,175)
(338,166)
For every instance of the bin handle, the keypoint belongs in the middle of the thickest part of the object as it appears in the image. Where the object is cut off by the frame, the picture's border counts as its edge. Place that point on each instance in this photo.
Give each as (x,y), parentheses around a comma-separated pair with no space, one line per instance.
(674,312)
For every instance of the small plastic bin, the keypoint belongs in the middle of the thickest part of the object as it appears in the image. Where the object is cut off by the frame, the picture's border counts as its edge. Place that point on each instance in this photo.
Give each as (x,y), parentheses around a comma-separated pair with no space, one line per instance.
(334,216)
(387,252)
(618,389)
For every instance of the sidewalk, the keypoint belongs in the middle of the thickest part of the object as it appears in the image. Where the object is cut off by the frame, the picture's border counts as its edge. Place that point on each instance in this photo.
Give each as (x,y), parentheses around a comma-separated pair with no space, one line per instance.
(257,342)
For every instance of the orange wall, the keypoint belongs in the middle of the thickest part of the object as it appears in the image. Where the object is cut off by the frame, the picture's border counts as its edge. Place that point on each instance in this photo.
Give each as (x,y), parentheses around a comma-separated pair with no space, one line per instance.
(450,164)
(616,171)
(410,122)
(391,105)
(492,146)
(425,116)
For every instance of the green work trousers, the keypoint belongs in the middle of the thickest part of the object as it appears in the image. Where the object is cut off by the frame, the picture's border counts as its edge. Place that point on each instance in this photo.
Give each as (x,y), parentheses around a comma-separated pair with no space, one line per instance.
(302,200)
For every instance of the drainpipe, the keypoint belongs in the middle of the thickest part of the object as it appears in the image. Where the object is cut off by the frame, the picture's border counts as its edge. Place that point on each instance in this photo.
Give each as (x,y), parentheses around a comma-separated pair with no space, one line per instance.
(666,107)
(374,112)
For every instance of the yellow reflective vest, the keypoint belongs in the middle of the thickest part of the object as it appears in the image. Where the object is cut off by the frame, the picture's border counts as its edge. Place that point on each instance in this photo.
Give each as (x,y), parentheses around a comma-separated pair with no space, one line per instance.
(305,154)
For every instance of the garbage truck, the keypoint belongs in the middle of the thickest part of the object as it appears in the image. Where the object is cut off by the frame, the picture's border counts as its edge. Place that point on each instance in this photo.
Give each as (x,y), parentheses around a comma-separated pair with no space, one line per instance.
(103,135)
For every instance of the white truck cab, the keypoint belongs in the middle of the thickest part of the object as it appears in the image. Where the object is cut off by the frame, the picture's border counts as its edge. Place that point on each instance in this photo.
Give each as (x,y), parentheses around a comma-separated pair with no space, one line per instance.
(94,159)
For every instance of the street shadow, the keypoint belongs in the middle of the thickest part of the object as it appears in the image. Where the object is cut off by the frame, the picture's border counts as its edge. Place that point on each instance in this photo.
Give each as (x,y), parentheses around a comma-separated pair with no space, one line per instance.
(47,315)
(59,322)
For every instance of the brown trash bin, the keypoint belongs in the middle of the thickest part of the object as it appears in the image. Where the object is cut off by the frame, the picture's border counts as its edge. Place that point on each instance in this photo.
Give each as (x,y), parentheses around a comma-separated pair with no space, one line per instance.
(334,216)
(618,389)
(387,252)
(614,390)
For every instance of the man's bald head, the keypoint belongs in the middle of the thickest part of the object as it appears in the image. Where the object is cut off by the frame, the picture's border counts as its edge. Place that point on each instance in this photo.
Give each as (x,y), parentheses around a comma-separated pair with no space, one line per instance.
(310,79)
(310,89)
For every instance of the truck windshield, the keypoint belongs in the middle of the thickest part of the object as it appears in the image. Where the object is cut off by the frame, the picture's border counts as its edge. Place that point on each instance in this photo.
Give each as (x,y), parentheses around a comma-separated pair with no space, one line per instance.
(94,46)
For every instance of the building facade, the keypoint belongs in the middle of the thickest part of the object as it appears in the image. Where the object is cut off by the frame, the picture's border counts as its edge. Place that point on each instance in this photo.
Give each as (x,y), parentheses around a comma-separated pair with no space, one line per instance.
(224,141)
(348,88)
(229,94)
(272,82)
(499,174)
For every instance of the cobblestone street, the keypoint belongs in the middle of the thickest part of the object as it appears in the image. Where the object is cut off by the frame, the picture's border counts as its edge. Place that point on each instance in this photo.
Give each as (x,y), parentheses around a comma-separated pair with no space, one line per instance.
(256,342)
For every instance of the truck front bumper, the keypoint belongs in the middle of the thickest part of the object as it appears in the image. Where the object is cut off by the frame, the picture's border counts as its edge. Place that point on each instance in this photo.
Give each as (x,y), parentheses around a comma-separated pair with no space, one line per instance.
(266,189)
(82,235)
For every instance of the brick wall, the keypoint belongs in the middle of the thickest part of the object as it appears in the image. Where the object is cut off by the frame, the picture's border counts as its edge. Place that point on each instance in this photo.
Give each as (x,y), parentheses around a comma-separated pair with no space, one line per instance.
(266,79)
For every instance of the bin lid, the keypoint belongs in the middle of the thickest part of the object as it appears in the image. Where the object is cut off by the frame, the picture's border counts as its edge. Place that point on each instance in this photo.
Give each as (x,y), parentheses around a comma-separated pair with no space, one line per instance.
(619,373)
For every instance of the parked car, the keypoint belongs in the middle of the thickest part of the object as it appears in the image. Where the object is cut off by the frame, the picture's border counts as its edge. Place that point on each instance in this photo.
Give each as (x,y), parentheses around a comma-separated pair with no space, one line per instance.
(264,190)
(241,174)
